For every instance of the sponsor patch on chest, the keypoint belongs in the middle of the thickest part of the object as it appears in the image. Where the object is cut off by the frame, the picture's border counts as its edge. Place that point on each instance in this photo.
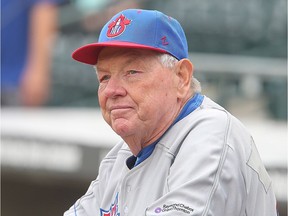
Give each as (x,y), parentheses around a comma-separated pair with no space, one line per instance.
(176,207)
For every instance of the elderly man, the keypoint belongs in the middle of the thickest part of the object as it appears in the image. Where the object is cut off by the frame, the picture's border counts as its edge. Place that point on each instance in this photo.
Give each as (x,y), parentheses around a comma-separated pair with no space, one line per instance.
(181,154)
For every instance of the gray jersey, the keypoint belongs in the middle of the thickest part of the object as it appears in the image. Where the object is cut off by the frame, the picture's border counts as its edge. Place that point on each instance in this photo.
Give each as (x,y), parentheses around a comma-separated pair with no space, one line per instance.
(206,164)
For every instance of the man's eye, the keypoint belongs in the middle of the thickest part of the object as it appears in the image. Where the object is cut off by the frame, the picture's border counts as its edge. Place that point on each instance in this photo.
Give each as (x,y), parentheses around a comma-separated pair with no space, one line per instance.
(104,78)
(131,72)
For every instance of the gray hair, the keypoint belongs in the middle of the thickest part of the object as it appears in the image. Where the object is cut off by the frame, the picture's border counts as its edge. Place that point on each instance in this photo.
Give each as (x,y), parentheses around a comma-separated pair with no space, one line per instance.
(170,61)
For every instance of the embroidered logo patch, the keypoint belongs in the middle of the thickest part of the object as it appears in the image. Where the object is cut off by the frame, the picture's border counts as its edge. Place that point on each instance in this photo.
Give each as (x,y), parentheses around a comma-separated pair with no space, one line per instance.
(179,207)
(118,26)
(164,40)
(113,211)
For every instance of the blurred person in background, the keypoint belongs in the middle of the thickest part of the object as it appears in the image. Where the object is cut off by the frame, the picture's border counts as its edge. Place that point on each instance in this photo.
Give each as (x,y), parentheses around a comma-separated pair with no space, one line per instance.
(181,153)
(27,31)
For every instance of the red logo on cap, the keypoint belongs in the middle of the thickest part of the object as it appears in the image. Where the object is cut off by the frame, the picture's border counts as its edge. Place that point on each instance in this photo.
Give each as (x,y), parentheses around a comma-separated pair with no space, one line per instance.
(118,26)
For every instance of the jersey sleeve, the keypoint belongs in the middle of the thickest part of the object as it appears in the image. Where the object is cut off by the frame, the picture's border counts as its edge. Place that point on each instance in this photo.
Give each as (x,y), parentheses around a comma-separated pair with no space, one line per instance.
(88,204)
(209,175)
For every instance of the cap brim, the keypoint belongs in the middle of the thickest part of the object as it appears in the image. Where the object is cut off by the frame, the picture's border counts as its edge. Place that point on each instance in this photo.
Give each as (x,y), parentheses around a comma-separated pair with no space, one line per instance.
(88,54)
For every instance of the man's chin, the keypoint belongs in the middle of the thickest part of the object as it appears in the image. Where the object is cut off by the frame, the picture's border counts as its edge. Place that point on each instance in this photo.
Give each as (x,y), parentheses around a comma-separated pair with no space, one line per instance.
(121,128)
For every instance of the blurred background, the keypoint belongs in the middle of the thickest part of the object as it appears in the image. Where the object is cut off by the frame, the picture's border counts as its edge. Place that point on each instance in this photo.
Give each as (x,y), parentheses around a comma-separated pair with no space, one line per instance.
(52,133)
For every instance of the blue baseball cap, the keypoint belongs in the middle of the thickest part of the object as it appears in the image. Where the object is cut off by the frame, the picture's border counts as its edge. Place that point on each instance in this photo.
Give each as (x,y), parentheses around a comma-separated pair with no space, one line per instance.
(140,29)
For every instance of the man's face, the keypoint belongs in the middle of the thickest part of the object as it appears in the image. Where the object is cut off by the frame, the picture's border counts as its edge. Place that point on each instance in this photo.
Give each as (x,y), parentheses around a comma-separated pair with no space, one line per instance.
(137,95)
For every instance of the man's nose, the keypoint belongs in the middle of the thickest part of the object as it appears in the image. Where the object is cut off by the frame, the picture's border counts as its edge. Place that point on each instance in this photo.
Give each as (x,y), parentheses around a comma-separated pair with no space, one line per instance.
(114,88)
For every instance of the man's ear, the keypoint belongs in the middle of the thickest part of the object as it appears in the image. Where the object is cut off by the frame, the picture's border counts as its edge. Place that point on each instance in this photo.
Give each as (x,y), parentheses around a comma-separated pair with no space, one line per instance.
(184,73)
